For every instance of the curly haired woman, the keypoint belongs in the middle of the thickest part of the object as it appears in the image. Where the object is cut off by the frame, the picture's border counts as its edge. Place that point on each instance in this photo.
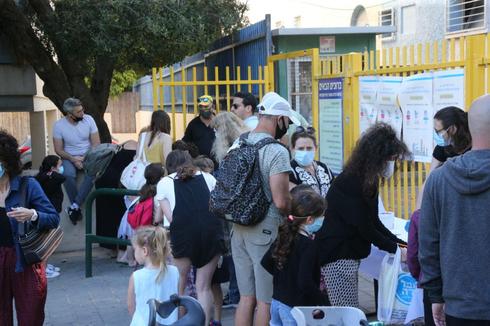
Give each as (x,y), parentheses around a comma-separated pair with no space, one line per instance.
(228,128)
(352,224)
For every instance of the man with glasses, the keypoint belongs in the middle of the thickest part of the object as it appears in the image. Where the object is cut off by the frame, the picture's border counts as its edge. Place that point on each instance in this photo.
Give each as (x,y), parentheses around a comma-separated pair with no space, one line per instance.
(245,106)
(73,136)
(198,130)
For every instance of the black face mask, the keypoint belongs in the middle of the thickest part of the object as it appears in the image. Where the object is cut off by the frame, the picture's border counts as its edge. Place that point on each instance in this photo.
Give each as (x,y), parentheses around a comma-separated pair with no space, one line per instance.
(206,114)
(76,119)
(281,131)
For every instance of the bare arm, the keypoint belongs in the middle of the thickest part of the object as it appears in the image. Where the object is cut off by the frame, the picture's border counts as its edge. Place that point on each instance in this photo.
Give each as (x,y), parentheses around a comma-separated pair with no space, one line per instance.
(95,139)
(131,296)
(167,146)
(158,215)
(291,185)
(280,192)
(58,148)
(165,208)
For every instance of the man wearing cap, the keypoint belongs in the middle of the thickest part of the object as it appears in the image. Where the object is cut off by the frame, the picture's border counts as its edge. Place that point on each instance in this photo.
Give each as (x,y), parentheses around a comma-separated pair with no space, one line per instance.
(244,106)
(250,243)
(198,131)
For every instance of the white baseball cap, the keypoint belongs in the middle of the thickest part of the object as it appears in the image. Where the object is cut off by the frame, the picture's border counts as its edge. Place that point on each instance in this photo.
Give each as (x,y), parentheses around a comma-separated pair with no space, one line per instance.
(273,104)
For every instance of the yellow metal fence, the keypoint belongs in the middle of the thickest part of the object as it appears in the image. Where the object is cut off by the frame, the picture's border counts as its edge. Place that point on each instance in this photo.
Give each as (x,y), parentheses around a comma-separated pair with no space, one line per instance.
(399,193)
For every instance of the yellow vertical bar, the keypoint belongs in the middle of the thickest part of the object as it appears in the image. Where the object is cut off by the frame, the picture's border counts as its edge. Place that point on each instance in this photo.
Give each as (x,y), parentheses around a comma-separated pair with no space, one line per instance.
(474,72)
(390,57)
(249,75)
(412,55)
(404,56)
(392,194)
(487,54)
(154,85)
(399,192)
(238,78)
(260,78)
(385,58)
(161,91)
(184,98)
(351,102)
(444,51)
(267,73)
(397,57)
(365,60)
(427,53)
(419,54)
(452,52)
(386,198)
(315,67)
(420,180)
(205,81)
(378,59)
(269,76)
(194,89)
(435,59)
(461,47)
(228,99)
(172,100)
(405,190)
(371,60)
(413,184)
(216,88)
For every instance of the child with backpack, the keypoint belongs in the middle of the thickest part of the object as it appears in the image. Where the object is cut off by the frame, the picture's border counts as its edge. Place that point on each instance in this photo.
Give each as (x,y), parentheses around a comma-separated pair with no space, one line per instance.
(156,280)
(142,210)
(292,259)
(50,177)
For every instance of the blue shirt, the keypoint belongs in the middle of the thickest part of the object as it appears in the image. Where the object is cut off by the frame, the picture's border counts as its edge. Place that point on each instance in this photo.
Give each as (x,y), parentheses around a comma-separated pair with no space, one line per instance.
(48,218)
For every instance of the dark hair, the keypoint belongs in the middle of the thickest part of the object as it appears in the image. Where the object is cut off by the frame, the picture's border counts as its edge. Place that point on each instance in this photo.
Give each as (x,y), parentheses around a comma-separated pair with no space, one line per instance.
(183,146)
(160,122)
(204,163)
(371,154)
(248,99)
(48,163)
(454,116)
(181,162)
(9,154)
(305,202)
(153,173)
(302,134)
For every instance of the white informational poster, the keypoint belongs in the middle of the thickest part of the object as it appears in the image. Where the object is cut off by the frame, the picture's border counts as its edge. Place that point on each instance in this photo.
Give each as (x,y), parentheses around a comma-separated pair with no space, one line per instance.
(330,93)
(327,44)
(388,109)
(368,87)
(448,89)
(416,100)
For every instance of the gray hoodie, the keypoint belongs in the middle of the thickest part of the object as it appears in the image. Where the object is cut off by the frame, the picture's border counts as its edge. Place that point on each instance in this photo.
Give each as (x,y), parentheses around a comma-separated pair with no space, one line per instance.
(454,236)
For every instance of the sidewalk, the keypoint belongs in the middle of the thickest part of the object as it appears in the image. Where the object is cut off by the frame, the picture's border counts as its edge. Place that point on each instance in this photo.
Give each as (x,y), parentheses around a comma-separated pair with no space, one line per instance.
(101,300)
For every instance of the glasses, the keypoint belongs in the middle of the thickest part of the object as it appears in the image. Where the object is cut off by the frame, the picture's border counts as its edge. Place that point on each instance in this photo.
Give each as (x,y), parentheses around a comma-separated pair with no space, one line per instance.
(204,100)
(308,130)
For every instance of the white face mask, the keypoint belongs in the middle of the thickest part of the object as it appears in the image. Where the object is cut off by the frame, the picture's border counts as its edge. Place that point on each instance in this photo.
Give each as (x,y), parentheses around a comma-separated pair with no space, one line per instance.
(389,169)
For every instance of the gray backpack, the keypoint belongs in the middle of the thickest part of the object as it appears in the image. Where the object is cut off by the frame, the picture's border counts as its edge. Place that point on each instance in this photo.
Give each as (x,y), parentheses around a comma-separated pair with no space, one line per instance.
(98,158)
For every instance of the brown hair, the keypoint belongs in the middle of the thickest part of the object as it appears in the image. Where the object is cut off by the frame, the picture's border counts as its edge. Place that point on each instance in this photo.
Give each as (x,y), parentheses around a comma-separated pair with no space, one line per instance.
(454,116)
(204,163)
(160,122)
(154,239)
(181,162)
(305,202)
(153,173)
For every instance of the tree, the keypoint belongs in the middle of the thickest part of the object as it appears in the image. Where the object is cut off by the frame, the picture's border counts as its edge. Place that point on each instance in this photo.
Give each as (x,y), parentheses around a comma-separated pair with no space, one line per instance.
(69,42)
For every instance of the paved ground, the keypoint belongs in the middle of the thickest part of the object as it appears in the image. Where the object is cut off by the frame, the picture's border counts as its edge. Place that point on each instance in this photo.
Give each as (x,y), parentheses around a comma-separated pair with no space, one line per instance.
(101,300)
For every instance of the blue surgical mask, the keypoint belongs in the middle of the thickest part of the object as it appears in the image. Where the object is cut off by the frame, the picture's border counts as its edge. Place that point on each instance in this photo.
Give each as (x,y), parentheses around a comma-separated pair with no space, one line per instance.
(304,158)
(315,226)
(61,169)
(2,170)
(438,139)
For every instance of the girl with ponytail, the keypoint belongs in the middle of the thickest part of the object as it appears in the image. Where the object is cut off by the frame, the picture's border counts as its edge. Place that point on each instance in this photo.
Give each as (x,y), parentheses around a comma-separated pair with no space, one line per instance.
(292,259)
(155,280)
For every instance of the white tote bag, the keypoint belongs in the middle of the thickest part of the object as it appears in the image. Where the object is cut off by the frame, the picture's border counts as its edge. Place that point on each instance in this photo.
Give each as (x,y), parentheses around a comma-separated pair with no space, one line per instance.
(396,289)
(133,176)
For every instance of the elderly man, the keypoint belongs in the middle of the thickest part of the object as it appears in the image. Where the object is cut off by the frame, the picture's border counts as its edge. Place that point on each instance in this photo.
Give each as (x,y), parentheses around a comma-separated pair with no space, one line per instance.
(73,136)
(454,228)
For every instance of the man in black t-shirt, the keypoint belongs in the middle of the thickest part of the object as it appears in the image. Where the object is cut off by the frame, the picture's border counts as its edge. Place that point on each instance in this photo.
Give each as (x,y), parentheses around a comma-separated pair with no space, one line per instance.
(198,130)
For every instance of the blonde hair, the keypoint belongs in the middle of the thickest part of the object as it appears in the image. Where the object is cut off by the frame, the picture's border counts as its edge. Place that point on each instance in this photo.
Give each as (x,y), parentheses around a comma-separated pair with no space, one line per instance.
(154,239)
(228,128)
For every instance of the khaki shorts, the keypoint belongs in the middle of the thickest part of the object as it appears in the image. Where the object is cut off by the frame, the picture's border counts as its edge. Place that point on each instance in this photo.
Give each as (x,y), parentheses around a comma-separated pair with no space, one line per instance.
(248,245)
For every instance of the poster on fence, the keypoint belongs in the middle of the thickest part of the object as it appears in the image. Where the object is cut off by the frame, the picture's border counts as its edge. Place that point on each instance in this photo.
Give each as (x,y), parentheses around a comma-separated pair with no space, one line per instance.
(368,88)
(388,109)
(448,89)
(416,101)
(330,93)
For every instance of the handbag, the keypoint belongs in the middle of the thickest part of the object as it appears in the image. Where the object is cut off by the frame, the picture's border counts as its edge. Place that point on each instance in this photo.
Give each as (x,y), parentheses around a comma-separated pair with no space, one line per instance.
(37,245)
(133,175)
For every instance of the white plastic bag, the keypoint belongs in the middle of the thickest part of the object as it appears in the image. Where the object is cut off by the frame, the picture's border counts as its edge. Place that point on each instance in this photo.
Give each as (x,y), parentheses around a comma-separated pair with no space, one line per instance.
(133,176)
(396,288)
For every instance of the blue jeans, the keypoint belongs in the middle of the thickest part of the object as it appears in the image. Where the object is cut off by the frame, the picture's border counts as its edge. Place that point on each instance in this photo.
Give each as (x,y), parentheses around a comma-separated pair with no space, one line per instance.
(281,314)
(76,195)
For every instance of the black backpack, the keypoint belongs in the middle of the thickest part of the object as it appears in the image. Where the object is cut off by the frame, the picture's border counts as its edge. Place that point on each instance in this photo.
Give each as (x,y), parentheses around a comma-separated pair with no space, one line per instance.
(239,196)
(98,158)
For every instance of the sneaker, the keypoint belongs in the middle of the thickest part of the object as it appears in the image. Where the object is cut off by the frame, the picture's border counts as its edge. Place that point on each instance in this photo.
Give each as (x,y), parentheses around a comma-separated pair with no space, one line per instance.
(227,303)
(75,215)
(53,268)
(51,274)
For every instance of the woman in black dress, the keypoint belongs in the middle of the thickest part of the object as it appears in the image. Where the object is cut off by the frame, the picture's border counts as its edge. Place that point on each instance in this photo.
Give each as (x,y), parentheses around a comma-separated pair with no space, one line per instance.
(196,235)
(110,209)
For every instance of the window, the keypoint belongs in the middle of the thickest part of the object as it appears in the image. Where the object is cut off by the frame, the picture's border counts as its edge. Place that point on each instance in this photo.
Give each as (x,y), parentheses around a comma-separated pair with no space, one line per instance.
(299,86)
(387,18)
(465,15)
(408,19)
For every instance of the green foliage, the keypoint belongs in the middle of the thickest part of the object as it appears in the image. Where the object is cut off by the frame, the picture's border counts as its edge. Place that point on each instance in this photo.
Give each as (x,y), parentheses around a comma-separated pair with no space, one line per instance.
(122,81)
(136,34)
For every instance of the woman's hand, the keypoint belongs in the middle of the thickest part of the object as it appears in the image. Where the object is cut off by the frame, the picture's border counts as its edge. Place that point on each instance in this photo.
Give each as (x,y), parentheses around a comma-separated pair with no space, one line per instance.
(21,214)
